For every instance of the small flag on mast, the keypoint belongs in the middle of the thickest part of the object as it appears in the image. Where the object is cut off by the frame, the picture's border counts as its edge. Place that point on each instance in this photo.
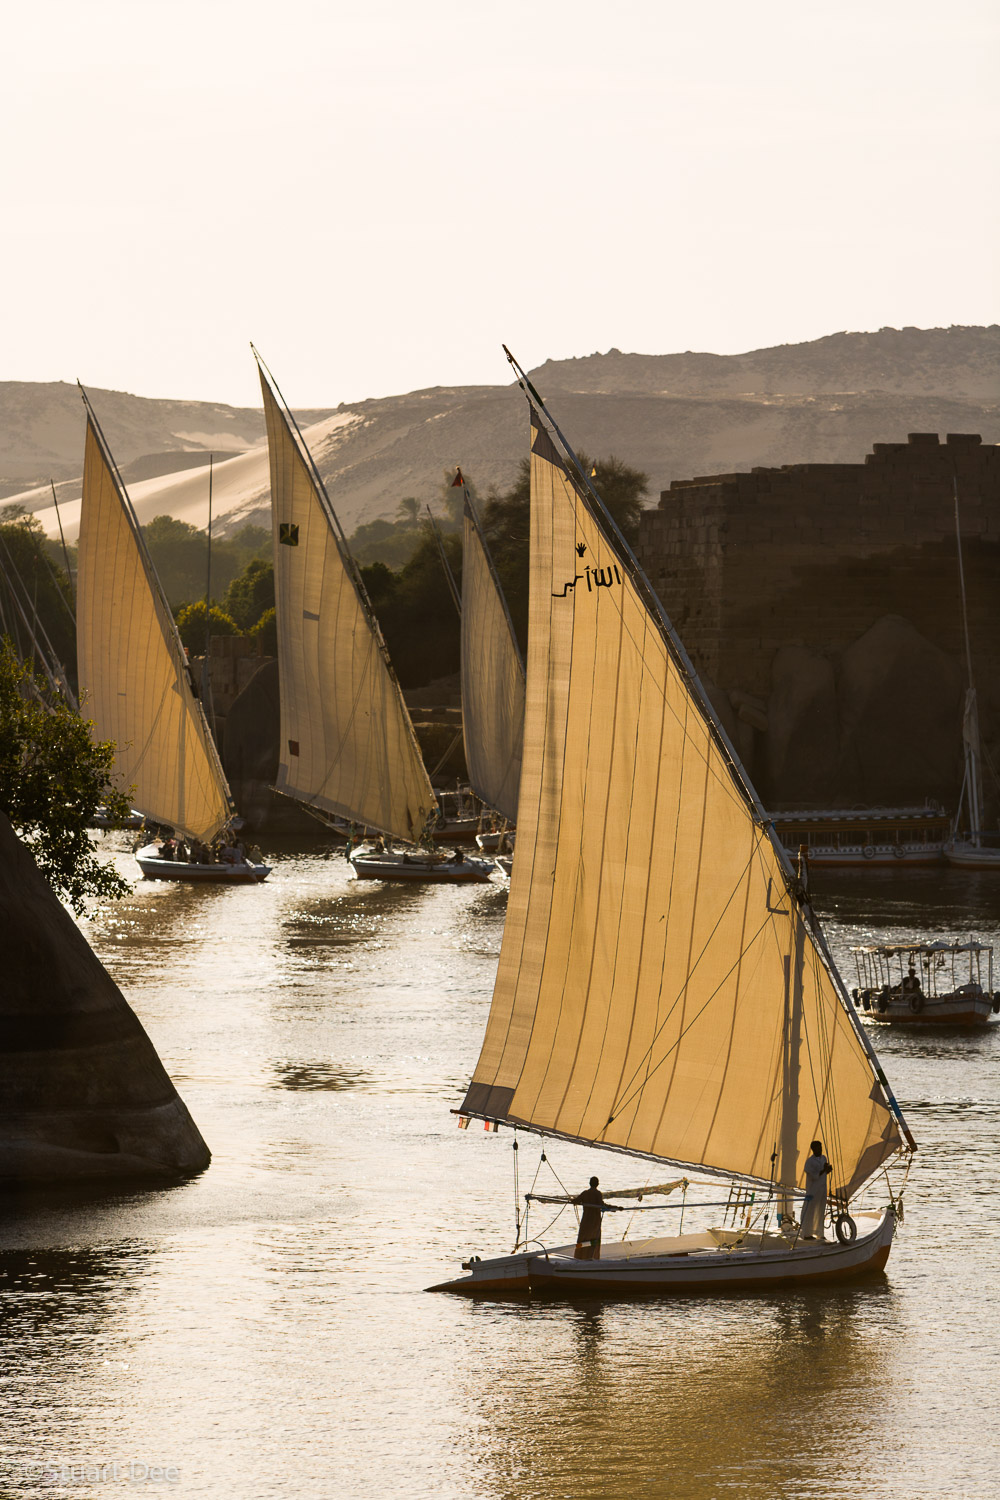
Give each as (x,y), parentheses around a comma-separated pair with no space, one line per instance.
(458,482)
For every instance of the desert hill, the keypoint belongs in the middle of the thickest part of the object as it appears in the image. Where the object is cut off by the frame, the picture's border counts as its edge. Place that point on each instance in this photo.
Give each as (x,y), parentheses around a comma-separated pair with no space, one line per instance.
(674,416)
(963,363)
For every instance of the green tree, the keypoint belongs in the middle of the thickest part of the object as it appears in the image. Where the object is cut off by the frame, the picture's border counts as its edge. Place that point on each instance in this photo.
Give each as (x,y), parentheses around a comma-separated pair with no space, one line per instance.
(180,557)
(53,778)
(36,596)
(265,633)
(507,523)
(416,612)
(191,625)
(250,594)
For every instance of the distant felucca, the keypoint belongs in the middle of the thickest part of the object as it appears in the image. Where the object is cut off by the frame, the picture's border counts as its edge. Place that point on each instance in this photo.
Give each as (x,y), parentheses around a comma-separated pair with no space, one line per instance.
(492,675)
(664,989)
(138,689)
(492,680)
(348,749)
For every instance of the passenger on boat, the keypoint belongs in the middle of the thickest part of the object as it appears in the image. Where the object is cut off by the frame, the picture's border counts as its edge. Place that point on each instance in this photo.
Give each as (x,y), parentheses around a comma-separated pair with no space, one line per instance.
(588,1236)
(254,856)
(456,857)
(180,849)
(814,1207)
(198,853)
(166,849)
(911,984)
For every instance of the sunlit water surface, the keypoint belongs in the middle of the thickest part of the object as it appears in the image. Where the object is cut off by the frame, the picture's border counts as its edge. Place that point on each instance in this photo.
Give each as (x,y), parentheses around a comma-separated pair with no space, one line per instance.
(263,1330)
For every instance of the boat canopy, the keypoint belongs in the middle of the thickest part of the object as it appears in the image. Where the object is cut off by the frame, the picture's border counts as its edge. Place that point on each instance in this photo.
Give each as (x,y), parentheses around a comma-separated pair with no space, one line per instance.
(890,950)
(347,742)
(660,990)
(135,682)
(492,678)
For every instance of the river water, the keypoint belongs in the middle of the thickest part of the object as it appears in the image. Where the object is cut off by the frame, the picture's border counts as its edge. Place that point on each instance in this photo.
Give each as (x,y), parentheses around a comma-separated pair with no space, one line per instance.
(263,1330)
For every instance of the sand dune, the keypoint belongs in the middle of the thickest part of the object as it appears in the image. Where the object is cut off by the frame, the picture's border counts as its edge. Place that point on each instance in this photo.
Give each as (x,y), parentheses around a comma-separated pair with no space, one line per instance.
(240,485)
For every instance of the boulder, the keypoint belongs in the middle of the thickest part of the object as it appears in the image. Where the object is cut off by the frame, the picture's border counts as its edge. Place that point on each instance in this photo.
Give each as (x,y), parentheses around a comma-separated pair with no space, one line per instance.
(82,1091)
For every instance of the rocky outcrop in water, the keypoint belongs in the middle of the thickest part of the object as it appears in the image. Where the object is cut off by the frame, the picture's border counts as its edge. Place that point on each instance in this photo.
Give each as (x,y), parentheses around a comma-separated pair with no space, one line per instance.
(82,1091)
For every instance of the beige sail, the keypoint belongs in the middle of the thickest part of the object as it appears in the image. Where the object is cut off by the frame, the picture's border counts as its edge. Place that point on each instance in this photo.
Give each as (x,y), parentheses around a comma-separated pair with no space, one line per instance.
(658,989)
(492,680)
(347,743)
(132,668)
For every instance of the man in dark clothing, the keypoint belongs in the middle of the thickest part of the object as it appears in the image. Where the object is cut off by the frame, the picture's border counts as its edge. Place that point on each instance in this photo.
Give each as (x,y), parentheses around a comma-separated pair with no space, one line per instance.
(588,1237)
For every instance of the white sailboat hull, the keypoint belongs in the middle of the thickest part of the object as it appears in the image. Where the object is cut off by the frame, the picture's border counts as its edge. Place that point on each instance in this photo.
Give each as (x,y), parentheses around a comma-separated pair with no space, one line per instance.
(972,856)
(155,868)
(626,1270)
(417,867)
(941,1010)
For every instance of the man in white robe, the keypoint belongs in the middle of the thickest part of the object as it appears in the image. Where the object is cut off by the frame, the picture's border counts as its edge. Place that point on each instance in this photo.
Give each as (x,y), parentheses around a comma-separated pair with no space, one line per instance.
(814,1207)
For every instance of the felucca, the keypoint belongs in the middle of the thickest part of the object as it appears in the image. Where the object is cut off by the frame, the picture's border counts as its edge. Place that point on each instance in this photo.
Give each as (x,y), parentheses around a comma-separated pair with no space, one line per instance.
(492,681)
(348,750)
(139,691)
(664,989)
(973,849)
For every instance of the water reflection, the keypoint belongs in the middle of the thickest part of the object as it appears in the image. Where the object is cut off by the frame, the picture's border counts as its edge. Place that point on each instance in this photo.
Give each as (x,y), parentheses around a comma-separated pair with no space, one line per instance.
(692,1399)
(319,1075)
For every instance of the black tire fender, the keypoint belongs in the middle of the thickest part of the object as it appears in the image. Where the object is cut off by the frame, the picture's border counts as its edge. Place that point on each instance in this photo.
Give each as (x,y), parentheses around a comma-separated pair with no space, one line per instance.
(996,1003)
(868,852)
(916,1004)
(883,1004)
(847,1230)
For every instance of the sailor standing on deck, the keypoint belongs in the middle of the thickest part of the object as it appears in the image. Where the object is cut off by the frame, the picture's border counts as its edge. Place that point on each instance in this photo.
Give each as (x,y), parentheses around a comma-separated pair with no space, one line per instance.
(588,1236)
(814,1207)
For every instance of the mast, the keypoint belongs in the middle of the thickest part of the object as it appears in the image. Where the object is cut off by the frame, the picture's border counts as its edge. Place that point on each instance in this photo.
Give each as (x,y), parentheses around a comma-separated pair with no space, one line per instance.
(206,680)
(62,537)
(970,720)
(456,598)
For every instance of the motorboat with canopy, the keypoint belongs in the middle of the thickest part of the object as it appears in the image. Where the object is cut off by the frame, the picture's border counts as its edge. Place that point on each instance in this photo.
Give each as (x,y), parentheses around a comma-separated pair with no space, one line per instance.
(348,750)
(927,984)
(137,685)
(664,989)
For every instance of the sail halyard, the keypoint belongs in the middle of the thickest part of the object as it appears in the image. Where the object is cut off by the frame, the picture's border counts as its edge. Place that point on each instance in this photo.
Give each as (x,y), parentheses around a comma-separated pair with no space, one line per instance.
(656,934)
(132,664)
(493,678)
(972,782)
(348,746)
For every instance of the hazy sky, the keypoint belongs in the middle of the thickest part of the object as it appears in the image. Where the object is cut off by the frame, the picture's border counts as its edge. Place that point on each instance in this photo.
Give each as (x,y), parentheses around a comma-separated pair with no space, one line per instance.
(379,194)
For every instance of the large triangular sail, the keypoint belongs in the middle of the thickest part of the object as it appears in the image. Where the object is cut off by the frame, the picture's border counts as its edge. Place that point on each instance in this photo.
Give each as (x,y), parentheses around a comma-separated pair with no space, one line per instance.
(347,743)
(133,670)
(492,677)
(660,989)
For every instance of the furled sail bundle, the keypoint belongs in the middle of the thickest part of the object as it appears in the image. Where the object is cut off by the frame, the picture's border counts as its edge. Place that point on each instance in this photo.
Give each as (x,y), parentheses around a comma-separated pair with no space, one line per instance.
(132,666)
(660,988)
(347,742)
(492,677)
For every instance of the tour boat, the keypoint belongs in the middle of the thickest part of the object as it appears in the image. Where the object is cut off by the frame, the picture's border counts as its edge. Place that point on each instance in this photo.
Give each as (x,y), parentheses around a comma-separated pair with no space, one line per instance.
(927,984)
(866,837)
(347,747)
(134,674)
(664,988)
